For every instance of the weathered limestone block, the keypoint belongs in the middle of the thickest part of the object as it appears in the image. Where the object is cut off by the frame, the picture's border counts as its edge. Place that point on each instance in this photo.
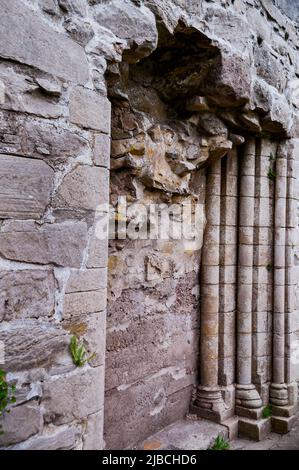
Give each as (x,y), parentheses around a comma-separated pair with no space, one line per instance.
(98,253)
(25,187)
(24,95)
(91,329)
(22,422)
(230,81)
(65,398)
(149,405)
(29,344)
(27,38)
(85,187)
(26,294)
(101,150)
(89,109)
(229,26)
(39,138)
(88,280)
(63,438)
(59,243)
(92,439)
(136,24)
(269,67)
(79,303)
(81,31)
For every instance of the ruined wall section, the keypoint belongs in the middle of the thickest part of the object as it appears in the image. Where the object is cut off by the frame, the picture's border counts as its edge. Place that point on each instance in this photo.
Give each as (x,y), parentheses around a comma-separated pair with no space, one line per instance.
(204,92)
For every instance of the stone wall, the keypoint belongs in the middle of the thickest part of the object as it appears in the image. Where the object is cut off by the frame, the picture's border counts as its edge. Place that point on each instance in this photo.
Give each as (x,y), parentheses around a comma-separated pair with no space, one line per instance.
(189,82)
(54,145)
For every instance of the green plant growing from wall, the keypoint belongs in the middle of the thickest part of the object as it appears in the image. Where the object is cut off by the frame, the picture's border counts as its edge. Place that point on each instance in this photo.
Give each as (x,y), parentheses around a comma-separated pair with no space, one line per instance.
(79,353)
(7,397)
(267,411)
(220,443)
(271,157)
(269,267)
(271,174)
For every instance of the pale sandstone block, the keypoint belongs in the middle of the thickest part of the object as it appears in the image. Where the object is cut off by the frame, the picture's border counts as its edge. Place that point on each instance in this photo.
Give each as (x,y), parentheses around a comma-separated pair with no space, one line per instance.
(25,187)
(80,303)
(260,344)
(101,150)
(65,397)
(93,436)
(62,438)
(53,52)
(62,244)
(31,344)
(90,110)
(21,423)
(98,253)
(87,280)
(26,294)
(92,329)
(85,187)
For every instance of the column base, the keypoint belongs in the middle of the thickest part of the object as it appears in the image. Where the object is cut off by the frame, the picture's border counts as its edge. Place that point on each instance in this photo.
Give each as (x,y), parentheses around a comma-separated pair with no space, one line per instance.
(256,413)
(281,424)
(209,403)
(279,394)
(255,429)
(248,397)
(283,398)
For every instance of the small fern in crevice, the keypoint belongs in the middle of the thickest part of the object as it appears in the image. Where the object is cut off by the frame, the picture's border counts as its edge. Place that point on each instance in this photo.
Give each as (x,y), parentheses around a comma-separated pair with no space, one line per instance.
(7,397)
(267,411)
(220,443)
(271,157)
(79,353)
(271,174)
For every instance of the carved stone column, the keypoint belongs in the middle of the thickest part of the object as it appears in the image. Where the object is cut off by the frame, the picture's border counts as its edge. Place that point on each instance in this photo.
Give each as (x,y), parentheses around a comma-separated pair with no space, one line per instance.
(283,389)
(209,402)
(248,400)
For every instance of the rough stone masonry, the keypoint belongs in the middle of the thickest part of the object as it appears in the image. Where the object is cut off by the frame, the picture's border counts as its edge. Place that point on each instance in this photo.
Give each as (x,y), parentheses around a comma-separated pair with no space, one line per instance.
(161,102)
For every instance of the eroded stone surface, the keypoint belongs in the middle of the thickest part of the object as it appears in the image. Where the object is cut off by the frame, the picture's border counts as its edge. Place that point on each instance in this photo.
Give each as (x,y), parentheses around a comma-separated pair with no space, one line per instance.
(25,187)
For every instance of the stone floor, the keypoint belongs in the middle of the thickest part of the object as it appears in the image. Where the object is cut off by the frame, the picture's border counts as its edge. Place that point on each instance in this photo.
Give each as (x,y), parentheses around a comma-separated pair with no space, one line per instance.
(199,434)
